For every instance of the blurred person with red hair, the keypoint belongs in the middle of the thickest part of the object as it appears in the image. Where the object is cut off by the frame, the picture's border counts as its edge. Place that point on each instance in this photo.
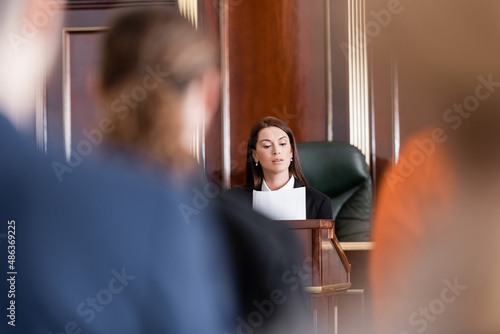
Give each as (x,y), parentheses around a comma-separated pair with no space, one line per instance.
(434,266)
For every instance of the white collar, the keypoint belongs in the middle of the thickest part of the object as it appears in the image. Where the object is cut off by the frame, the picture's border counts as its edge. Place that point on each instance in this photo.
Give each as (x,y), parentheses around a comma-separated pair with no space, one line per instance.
(289,185)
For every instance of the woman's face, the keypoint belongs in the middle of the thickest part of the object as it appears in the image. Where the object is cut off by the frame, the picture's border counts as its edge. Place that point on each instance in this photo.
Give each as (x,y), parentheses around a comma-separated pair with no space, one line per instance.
(273,150)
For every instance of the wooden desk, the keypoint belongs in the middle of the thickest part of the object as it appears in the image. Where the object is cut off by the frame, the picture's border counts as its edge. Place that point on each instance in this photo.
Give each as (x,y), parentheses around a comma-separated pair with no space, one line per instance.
(355,306)
(328,268)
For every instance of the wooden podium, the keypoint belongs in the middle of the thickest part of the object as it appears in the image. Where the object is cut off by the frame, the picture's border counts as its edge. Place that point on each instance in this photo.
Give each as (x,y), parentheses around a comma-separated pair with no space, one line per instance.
(326,270)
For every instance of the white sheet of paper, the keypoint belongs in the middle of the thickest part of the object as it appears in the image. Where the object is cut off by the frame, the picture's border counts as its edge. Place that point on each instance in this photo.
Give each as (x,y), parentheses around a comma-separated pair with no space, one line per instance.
(289,204)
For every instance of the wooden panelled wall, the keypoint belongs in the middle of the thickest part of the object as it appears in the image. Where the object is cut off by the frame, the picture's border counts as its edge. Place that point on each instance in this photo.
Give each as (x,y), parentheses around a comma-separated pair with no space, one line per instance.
(282,58)
(68,104)
(288,58)
(274,59)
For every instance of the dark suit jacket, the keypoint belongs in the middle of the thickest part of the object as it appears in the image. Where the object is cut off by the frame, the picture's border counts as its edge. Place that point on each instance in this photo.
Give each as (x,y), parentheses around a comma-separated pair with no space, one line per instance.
(318,205)
(104,251)
(264,254)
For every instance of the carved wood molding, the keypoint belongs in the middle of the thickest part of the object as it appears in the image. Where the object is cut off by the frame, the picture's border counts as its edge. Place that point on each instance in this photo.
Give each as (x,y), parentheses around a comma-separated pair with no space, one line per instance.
(96,4)
(66,80)
(359,104)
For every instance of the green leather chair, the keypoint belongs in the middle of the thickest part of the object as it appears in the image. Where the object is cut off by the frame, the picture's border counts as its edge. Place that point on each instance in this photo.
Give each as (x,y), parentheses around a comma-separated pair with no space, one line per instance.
(339,170)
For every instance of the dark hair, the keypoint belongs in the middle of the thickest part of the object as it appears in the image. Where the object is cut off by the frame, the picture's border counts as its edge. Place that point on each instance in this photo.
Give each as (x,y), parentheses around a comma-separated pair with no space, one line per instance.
(158,44)
(255,175)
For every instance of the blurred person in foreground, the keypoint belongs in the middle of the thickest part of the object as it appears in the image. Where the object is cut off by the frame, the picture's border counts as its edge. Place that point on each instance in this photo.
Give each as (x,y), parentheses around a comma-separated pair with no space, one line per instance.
(158,57)
(107,249)
(434,268)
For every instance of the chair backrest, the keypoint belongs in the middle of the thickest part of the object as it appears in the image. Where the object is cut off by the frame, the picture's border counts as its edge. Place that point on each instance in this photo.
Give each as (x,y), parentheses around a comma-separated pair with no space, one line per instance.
(339,170)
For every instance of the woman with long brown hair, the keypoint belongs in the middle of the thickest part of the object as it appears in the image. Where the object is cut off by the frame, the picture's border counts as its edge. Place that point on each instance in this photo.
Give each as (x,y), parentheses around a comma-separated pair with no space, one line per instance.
(273,164)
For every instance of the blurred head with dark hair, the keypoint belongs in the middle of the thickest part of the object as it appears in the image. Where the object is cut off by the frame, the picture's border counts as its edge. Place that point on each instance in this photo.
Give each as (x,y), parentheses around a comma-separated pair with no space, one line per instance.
(158,81)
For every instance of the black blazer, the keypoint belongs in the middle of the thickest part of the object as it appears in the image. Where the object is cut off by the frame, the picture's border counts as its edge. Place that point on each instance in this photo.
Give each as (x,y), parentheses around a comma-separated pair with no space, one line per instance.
(318,205)
(262,254)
